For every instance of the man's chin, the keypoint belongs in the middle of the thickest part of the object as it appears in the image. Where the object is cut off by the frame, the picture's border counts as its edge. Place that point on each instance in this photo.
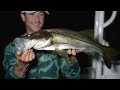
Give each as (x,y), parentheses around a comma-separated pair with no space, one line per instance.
(36,29)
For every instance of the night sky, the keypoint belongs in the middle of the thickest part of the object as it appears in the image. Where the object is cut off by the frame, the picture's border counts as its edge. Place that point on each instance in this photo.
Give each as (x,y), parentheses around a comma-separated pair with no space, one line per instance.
(12,26)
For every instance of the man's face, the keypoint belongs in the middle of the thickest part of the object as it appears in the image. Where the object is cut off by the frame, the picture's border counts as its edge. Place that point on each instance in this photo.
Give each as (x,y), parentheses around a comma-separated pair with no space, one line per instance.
(33,21)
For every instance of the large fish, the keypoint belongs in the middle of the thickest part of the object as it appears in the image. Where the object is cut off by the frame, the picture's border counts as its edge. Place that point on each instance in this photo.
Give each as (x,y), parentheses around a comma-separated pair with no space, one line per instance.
(60,39)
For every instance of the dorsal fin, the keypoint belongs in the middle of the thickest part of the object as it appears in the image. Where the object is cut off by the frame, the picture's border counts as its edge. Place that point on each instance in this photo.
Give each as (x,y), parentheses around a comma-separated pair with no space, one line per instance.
(88,32)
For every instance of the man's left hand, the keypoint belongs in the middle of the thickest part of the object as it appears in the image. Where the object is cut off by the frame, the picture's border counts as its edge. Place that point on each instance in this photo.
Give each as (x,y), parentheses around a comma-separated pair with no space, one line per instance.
(73,53)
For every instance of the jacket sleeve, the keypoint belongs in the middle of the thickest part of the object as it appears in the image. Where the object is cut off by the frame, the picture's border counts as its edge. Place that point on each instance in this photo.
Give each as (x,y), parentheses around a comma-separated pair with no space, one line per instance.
(71,71)
(9,61)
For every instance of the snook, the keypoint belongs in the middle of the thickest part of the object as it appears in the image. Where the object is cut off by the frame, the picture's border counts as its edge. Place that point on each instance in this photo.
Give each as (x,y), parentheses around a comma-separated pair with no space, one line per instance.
(60,39)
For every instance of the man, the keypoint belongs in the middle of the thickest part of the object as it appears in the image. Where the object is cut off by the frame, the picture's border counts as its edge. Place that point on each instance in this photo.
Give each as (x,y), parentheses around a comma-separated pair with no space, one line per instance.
(37,64)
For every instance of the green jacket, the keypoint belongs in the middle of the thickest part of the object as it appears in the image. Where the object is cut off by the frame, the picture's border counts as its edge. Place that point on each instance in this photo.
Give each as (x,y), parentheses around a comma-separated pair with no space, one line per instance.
(46,65)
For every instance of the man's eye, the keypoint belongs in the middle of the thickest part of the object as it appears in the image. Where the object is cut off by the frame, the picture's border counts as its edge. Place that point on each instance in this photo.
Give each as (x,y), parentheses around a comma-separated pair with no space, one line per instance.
(41,14)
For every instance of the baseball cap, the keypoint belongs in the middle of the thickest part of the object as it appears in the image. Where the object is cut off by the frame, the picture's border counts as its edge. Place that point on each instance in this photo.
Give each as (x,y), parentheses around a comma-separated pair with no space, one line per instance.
(33,12)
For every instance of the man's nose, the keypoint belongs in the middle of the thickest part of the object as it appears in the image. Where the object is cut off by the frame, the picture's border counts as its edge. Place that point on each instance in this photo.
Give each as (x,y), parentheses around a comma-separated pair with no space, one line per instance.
(36,18)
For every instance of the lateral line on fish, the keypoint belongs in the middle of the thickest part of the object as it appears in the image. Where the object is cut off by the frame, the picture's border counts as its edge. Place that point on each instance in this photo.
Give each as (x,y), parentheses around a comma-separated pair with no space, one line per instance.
(81,40)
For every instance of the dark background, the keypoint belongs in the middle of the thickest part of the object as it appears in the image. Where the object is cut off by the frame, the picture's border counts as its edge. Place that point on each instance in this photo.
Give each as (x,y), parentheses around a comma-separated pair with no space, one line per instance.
(11,26)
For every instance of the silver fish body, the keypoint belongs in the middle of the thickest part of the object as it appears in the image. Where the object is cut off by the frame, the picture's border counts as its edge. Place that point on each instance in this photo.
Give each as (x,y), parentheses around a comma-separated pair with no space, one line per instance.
(58,39)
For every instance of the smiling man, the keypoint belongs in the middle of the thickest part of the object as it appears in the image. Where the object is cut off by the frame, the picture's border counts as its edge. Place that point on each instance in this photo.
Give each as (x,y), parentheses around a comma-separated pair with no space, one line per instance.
(34,64)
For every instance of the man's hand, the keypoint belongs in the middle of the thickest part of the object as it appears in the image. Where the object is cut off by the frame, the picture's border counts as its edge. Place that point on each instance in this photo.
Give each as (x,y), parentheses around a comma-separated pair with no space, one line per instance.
(23,60)
(27,56)
(73,53)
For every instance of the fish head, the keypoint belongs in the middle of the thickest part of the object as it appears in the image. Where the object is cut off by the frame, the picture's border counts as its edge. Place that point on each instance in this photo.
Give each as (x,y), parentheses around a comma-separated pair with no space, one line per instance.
(36,40)
(24,44)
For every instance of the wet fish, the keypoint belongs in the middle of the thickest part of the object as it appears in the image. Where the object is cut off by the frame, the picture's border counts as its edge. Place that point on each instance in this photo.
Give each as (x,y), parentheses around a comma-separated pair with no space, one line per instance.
(60,39)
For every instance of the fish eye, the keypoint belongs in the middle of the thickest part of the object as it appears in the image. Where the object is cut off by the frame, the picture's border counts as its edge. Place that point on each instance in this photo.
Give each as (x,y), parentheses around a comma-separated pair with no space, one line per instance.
(29,35)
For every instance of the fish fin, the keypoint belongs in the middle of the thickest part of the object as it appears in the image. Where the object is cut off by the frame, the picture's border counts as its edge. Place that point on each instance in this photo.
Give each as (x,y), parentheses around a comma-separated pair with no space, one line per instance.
(112,51)
(92,55)
(88,32)
(109,54)
(62,53)
(105,58)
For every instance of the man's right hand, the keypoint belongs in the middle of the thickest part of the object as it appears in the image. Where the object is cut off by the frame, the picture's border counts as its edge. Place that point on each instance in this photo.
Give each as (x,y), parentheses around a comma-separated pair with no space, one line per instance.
(23,60)
(27,56)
